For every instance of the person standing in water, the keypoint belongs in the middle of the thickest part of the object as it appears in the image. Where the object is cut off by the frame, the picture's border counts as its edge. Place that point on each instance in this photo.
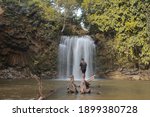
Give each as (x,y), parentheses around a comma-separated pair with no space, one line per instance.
(83,66)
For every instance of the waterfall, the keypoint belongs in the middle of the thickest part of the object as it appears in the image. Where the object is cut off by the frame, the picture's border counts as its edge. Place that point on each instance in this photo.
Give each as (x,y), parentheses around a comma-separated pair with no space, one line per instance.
(71,50)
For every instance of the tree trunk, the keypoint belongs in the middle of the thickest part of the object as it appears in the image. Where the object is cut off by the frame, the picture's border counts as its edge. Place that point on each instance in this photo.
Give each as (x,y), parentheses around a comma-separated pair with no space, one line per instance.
(1,11)
(64,25)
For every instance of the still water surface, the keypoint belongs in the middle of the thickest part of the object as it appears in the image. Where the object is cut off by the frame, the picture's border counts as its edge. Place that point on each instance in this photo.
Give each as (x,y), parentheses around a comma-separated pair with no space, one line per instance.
(101,89)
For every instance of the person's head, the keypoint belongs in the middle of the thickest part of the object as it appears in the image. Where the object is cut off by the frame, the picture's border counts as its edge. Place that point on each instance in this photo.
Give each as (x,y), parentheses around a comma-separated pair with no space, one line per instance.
(82,59)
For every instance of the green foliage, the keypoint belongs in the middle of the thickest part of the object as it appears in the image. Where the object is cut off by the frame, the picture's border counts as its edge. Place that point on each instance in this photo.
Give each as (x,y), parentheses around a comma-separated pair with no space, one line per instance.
(68,10)
(38,24)
(129,21)
(34,17)
(68,6)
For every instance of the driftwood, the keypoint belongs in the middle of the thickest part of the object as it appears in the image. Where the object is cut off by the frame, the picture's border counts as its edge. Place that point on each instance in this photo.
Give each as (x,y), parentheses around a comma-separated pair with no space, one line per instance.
(44,97)
(91,78)
(40,87)
(85,85)
(41,96)
(72,87)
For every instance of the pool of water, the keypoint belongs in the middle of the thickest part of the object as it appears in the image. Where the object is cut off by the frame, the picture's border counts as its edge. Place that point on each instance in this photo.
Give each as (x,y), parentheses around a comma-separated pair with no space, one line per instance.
(101,89)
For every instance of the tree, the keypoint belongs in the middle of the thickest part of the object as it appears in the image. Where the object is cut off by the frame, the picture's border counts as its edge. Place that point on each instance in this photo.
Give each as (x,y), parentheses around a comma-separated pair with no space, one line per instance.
(29,31)
(67,8)
(128,20)
(34,27)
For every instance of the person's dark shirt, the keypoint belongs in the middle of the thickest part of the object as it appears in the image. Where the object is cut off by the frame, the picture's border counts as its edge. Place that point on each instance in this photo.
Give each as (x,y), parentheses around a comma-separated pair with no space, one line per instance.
(83,65)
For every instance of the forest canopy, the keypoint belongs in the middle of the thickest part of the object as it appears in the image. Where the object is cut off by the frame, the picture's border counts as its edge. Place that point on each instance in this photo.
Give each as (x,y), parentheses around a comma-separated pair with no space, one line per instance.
(129,22)
(126,22)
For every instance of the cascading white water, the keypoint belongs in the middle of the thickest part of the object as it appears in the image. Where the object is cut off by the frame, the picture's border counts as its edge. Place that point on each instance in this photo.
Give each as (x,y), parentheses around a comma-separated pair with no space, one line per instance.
(71,50)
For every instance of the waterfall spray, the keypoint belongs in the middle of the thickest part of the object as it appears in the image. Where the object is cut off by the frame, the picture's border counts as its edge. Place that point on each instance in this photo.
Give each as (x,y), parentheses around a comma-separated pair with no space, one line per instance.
(71,50)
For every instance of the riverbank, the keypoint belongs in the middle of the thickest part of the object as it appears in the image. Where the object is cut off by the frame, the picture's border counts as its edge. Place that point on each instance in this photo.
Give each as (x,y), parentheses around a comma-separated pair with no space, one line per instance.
(23,73)
(127,74)
(121,74)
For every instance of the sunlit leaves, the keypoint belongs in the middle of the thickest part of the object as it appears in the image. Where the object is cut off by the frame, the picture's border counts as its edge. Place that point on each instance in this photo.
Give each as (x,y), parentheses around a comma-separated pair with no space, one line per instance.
(129,19)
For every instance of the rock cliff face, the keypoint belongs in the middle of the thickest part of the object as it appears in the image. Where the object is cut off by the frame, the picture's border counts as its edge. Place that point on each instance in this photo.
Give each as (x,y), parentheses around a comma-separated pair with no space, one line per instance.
(24,47)
(14,46)
(14,50)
